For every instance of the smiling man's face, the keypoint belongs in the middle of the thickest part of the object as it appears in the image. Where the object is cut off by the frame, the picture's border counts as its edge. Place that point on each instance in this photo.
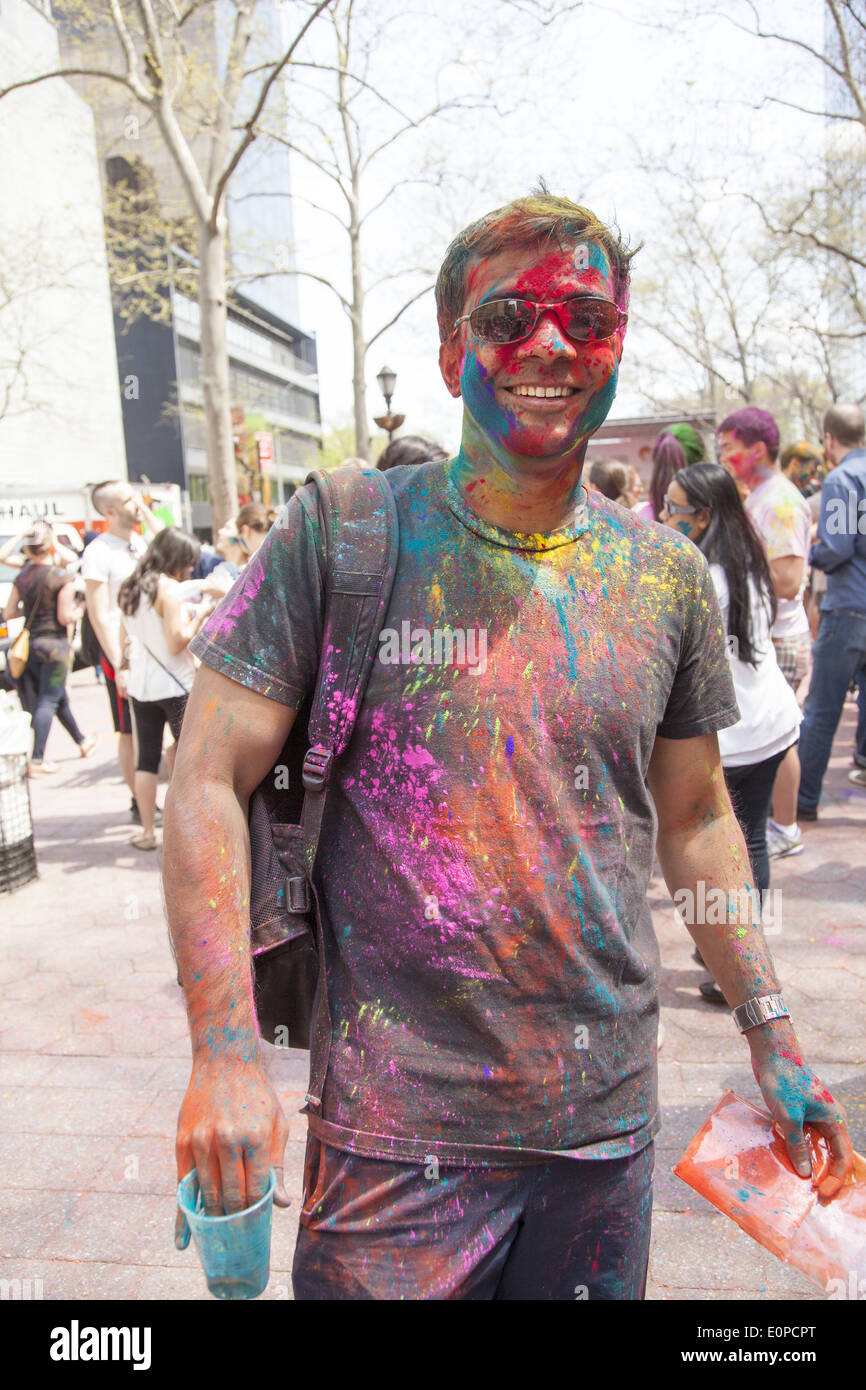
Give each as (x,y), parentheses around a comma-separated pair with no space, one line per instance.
(544,396)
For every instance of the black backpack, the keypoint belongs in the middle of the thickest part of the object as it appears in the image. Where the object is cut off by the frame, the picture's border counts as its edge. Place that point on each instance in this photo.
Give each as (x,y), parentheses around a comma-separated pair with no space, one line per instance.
(286,930)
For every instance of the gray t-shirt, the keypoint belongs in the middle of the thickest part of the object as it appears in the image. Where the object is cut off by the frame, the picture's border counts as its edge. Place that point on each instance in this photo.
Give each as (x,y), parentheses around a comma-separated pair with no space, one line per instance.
(489,835)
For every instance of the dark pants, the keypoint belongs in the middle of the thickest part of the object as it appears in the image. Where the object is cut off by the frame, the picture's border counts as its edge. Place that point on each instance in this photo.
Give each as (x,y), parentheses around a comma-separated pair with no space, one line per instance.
(563,1230)
(150,718)
(751,790)
(42,688)
(838,658)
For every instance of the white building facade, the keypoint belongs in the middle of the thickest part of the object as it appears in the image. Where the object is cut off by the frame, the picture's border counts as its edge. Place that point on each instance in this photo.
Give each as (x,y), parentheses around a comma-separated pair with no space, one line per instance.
(60,411)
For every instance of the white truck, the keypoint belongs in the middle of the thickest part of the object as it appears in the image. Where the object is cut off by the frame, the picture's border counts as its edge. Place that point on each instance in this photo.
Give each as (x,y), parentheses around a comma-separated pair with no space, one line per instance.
(70,515)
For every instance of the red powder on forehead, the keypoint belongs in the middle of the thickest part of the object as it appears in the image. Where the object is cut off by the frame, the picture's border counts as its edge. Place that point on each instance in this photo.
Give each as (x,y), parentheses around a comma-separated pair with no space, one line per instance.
(538,276)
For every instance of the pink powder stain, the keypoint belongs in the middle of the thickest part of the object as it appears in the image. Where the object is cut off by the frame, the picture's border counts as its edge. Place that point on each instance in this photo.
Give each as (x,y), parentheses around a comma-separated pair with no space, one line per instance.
(227,614)
(418,757)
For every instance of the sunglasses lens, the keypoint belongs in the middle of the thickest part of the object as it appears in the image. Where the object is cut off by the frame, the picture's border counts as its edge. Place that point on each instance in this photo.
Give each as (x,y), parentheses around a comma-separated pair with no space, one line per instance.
(591,320)
(502,320)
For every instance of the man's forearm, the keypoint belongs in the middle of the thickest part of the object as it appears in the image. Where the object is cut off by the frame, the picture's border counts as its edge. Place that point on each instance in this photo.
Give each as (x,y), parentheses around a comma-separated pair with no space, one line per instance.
(709,877)
(206,877)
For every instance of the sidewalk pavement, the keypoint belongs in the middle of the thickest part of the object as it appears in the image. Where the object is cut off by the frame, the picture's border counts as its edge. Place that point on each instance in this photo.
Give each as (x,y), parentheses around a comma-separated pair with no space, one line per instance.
(94,1051)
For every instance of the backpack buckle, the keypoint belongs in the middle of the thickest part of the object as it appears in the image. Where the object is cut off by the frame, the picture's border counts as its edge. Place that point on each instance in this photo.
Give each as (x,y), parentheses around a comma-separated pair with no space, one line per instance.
(298,895)
(317,768)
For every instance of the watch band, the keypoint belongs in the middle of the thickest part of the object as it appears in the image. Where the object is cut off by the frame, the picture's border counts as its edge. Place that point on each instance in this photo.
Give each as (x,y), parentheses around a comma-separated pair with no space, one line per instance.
(759,1010)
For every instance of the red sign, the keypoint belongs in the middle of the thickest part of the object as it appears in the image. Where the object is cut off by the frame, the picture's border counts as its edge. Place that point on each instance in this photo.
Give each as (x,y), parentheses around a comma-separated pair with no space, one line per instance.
(265,446)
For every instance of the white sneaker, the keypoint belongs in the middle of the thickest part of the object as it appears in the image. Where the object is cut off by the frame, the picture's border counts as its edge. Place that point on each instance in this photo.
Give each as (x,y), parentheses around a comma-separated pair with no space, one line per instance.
(780,845)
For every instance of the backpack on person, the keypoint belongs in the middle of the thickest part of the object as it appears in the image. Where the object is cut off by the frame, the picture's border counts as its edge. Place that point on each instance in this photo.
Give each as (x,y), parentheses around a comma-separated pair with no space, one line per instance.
(360,533)
(88,651)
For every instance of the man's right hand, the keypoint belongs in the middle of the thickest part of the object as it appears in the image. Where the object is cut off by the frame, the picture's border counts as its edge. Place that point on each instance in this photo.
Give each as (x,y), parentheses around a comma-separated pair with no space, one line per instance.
(232,1130)
(121,680)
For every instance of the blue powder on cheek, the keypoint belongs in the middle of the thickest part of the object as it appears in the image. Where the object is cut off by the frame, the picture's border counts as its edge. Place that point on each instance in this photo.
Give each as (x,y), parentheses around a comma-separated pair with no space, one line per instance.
(509,747)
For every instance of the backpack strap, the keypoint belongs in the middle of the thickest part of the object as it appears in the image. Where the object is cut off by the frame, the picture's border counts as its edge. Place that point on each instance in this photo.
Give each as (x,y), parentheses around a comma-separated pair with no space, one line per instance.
(361,559)
(361,546)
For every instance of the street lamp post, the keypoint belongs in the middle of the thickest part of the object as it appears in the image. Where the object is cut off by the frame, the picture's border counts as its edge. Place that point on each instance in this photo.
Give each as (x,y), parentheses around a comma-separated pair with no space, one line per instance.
(387,380)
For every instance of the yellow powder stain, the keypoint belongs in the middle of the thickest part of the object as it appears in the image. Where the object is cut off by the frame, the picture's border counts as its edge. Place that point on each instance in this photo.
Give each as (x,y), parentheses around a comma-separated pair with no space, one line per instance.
(436,600)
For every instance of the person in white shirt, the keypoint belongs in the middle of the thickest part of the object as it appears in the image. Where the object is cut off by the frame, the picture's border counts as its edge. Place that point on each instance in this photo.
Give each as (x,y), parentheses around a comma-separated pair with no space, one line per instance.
(702,501)
(157,624)
(748,448)
(106,562)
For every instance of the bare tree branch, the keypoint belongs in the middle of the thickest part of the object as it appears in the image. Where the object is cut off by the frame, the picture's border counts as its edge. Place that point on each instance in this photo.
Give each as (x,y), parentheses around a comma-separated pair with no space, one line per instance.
(399,314)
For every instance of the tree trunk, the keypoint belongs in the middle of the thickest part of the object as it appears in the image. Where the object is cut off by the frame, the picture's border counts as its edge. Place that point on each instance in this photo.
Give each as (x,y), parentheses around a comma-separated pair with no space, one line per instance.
(215,374)
(359,347)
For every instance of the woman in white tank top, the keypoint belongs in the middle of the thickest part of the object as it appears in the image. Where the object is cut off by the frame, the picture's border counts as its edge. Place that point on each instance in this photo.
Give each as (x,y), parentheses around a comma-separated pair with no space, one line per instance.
(159,622)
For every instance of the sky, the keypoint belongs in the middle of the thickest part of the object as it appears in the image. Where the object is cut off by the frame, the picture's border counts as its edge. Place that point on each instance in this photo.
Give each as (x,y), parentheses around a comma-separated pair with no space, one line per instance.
(590,99)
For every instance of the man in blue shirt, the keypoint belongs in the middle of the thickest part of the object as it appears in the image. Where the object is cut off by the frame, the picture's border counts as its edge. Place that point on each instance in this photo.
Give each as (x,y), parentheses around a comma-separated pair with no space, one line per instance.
(839,655)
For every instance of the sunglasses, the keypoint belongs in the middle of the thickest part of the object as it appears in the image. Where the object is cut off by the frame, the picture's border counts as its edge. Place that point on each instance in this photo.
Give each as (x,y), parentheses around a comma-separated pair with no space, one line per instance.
(676,508)
(584,318)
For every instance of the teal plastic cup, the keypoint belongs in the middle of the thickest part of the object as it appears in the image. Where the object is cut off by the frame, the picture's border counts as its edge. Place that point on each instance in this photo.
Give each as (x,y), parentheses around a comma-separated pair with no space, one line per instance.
(235,1250)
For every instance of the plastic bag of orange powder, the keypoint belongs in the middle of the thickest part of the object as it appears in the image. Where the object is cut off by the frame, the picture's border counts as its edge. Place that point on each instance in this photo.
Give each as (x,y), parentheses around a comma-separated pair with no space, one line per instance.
(738,1162)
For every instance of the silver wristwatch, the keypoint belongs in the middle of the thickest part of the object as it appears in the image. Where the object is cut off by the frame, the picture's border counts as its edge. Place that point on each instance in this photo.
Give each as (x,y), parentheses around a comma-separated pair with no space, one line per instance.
(759,1010)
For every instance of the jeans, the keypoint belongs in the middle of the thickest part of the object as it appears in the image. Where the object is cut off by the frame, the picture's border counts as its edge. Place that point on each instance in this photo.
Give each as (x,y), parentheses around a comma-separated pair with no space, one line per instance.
(43,694)
(838,658)
(751,790)
(570,1229)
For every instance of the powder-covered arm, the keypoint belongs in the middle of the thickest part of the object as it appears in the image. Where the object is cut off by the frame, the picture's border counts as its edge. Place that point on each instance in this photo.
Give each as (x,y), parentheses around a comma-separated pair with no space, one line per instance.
(231,1127)
(706,867)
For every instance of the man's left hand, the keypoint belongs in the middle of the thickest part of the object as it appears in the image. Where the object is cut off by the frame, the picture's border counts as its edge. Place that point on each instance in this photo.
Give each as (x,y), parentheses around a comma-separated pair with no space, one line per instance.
(795,1096)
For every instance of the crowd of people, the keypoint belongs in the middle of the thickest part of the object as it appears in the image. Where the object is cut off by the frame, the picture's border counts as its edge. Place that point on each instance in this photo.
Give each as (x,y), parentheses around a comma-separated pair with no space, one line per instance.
(129,607)
(781,539)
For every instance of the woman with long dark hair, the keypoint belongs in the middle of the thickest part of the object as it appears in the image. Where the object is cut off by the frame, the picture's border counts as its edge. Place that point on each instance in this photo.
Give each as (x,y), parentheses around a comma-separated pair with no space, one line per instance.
(703,503)
(157,627)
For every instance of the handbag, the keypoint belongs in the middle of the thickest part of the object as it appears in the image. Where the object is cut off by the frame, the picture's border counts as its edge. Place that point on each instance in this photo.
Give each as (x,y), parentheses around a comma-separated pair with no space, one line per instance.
(287,923)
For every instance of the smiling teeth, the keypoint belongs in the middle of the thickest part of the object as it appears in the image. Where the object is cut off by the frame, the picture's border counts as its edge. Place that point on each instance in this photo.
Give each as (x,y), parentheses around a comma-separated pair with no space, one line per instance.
(542,390)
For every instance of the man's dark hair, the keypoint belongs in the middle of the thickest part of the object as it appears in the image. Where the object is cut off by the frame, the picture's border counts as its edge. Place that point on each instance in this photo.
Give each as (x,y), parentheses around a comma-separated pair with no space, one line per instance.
(410,448)
(845,424)
(535,221)
(730,541)
(753,426)
(98,494)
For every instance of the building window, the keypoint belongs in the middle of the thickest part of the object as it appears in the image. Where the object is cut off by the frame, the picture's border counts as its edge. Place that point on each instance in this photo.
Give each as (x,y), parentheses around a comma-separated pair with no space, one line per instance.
(198,488)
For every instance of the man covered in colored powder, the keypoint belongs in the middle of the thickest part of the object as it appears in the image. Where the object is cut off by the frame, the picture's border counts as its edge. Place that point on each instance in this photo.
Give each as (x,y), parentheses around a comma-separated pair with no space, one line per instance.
(486,1126)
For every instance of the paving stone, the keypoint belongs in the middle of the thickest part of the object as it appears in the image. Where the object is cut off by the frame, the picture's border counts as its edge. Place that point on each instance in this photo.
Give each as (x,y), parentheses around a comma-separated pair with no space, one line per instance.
(24,1068)
(124,1228)
(61,1279)
(33,1110)
(104,1112)
(160,1283)
(159,1116)
(693,1250)
(28,1218)
(138,1164)
(63,1162)
(107,1073)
